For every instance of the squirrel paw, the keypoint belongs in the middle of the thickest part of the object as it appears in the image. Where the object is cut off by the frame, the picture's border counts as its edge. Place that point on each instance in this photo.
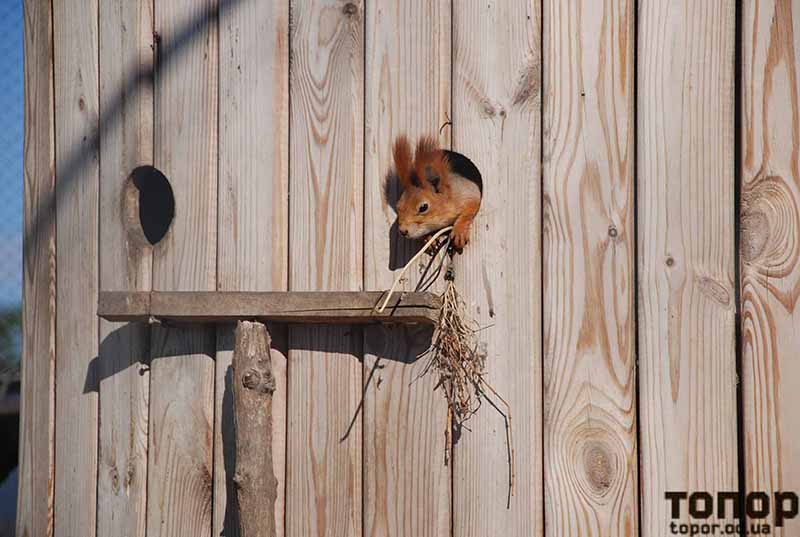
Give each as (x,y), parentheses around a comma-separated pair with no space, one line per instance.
(460,237)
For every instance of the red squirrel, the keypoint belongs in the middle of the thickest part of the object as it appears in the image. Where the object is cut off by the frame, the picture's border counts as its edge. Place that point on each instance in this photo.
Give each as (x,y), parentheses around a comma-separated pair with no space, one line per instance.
(440,188)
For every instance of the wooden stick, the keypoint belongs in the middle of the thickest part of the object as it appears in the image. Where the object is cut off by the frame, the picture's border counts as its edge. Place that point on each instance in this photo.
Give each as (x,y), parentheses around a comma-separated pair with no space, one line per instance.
(253,386)
(413,259)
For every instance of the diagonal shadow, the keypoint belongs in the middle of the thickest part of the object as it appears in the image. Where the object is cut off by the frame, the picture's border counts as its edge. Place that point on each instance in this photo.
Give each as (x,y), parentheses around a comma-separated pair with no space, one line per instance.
(107,363)
(168,51)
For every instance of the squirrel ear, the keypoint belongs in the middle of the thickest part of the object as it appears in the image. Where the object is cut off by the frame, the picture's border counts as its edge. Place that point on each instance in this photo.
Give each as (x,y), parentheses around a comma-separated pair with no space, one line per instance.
(402,161)
(432,177)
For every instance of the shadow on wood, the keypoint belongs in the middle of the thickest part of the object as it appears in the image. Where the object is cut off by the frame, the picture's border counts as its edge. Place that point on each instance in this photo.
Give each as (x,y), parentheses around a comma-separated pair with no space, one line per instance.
(166,54)
(108,363)
(231,522)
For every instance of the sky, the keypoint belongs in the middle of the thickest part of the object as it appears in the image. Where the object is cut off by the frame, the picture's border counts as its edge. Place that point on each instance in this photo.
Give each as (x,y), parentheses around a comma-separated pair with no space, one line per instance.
(11,142)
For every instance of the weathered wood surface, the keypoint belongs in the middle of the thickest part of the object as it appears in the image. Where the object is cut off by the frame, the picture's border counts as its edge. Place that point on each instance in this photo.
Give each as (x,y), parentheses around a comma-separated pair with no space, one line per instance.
(770,247)
(351,307)
(126,41)
(362,73)
(76,399)
(686,317)
(590,460)
(36,448)
(180,483)
(407,92)
(324,464)
(253,388)
(253,215)
(496,121)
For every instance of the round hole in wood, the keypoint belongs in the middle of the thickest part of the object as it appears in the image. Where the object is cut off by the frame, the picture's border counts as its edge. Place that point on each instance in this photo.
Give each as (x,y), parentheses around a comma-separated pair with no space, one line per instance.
(148,205)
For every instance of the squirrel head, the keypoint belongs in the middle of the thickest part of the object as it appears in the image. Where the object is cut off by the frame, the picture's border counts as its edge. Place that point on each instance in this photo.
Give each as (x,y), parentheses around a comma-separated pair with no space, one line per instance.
(425,205)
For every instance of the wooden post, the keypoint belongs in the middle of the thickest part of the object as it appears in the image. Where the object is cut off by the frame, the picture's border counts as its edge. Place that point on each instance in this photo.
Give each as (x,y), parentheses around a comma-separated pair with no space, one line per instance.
(253,386)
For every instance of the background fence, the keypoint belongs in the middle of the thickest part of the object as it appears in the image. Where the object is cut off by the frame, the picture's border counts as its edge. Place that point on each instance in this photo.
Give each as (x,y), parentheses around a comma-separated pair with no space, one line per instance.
(11,144)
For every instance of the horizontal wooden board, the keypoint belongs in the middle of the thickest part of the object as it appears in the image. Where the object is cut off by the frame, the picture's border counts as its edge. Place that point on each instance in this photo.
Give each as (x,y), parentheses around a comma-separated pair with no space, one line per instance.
(321,307)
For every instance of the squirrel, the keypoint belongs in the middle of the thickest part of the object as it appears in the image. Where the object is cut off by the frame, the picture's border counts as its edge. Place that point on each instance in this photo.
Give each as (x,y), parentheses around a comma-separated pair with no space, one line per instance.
(440,188)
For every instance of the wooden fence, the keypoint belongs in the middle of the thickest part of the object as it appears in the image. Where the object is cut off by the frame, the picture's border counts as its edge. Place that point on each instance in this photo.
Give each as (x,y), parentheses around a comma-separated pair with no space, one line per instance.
(635,265)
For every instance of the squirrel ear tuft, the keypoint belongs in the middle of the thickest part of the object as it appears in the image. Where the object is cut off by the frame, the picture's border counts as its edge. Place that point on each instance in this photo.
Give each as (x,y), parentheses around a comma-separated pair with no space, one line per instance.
(402,160)
(432,177)
(430,164)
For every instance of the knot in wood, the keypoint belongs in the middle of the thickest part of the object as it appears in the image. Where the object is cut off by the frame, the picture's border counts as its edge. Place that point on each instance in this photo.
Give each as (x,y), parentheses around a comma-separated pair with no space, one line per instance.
(599,467)
(251,379)
(240,479)
(114,480)
(714,290)
(261,382)
(754,235)
(350,9)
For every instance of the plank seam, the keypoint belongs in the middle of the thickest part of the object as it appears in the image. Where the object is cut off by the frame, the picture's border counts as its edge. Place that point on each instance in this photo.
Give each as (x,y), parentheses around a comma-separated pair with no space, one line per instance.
(152,157)
(451,447)
(635,269)
(542,491)
(98,328)
(737,174)
(286,333)
(362,386)
(54,275)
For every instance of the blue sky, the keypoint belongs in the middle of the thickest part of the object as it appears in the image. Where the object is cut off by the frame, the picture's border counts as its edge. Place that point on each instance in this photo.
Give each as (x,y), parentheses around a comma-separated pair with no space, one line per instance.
(11,142)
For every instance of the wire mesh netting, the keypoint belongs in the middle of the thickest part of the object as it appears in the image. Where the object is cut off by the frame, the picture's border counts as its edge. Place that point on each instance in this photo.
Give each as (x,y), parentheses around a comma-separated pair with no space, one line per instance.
(11,181)
(11,147)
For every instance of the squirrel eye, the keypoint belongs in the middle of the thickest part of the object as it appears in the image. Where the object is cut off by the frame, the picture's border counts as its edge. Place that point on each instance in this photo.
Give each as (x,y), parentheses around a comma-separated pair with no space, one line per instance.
(422,208)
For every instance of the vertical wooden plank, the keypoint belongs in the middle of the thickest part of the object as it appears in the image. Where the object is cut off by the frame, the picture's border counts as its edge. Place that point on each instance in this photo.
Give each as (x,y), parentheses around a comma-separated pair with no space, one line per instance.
(590,466)
(770,248)
(323,495)
(180,457)
(36,450)
(253,215)
(75,41)
(496,122)
(407,91)
(126,39)
(685,259)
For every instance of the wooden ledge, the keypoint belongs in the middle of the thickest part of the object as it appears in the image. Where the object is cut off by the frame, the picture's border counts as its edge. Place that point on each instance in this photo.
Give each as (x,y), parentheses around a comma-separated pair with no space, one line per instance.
(288,307)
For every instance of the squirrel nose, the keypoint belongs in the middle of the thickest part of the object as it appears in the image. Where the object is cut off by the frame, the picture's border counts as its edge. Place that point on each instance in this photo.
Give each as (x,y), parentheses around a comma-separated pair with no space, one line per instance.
(404,232)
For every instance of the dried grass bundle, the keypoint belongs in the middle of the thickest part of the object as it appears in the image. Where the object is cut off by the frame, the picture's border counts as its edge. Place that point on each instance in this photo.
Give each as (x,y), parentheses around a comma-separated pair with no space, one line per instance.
(456,355)
(456,358)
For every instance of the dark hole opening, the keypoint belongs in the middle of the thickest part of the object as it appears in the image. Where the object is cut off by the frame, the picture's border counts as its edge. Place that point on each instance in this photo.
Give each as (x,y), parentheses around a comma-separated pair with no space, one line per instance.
(156,202)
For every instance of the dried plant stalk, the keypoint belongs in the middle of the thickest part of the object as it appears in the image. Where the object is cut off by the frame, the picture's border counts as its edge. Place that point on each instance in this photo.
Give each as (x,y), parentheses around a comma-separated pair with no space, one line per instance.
(460,363)
(456,356)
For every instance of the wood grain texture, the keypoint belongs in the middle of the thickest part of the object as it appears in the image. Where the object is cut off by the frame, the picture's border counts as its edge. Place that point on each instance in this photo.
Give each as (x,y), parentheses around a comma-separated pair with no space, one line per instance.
(126,41)
(407,92)
(37,419)
(253,215)
(180,483)
(770,247)
(496,122)
(590,460)
(323,495)
(685,259)
(76,113)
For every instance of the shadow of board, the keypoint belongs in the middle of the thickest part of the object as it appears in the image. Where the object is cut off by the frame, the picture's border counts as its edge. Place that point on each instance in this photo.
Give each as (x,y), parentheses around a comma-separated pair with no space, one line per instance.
(130,345)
